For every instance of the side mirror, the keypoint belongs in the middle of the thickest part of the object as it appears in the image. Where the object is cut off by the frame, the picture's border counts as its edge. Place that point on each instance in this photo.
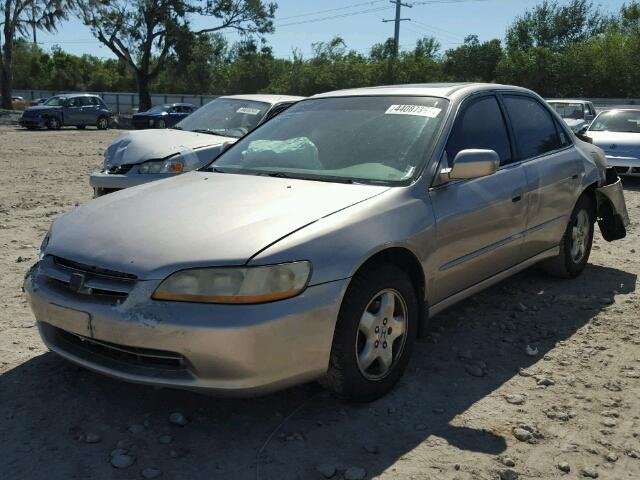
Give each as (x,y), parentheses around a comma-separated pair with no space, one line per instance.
(474,163)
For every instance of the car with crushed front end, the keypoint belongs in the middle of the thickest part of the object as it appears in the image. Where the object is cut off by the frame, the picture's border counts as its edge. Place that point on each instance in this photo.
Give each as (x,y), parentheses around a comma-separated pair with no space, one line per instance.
(317,246)
(78,110)
(144,156)
(617,132)
(163,116)
(577,114)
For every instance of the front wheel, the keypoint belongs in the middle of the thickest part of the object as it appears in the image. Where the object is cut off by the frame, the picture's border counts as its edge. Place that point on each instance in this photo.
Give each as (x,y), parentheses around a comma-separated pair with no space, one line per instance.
(103,123)
(372,341)
(54,123)
(575,246)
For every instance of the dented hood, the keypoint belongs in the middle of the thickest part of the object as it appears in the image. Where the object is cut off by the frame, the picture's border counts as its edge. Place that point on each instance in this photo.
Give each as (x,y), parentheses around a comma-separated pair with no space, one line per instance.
(195,219)
(156,144)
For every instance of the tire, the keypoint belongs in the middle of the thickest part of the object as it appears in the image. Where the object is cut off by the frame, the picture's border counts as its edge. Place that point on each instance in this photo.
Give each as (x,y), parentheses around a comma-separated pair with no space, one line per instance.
(575,246)
(362,310)
(102,123)
(161,124)
(54,123)
(81,127)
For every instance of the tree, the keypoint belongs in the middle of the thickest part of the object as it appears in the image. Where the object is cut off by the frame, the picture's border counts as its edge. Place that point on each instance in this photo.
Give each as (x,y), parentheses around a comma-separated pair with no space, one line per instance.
(553,26)
(473,61)
(143,33)
(17,17)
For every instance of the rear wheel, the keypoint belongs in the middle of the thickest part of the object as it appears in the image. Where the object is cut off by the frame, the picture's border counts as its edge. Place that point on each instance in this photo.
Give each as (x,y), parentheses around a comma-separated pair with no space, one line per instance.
(575,246)
(376,327)
(102,123)
(54,123)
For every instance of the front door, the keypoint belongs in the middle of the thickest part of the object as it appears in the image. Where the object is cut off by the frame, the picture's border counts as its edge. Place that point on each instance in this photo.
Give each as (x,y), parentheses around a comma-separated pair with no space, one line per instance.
(479,222)
(73,112)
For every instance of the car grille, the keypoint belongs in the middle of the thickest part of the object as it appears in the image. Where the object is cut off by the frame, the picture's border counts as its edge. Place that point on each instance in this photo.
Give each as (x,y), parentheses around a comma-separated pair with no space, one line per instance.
(135,356)
(119,169)
(89,280)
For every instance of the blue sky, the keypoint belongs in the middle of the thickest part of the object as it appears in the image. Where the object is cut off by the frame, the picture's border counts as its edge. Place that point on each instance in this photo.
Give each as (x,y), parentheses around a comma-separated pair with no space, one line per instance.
(359,22)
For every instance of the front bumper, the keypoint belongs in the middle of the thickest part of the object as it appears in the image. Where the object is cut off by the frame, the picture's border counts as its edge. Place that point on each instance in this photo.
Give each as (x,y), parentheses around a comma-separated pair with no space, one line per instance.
(32,122)
(624,165)
(104,183)
(227,349)
(613,218)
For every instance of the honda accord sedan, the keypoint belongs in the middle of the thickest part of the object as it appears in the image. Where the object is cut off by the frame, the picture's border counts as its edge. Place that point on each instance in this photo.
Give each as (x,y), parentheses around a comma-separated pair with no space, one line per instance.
(317,246)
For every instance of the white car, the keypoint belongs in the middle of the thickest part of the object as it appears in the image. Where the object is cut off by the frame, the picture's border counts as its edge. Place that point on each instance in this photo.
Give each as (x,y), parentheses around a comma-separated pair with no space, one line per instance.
(577,114)
(617,132)
(143,156)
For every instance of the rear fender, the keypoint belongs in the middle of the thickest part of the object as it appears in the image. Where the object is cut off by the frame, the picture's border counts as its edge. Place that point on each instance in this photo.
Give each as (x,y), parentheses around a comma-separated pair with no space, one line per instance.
(613,218)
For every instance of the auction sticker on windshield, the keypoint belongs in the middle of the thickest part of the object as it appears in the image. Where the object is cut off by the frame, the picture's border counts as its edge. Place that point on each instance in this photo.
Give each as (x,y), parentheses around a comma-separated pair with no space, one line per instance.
(419,110)
(248,111)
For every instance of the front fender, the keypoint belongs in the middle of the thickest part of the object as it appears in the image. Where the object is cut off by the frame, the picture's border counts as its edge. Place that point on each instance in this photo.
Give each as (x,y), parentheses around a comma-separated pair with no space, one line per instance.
(613,218)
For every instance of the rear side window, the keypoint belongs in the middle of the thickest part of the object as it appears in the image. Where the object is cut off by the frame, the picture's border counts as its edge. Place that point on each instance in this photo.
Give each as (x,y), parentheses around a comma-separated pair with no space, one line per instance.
(73,102)
(86,101)
(533,126)
(480,125)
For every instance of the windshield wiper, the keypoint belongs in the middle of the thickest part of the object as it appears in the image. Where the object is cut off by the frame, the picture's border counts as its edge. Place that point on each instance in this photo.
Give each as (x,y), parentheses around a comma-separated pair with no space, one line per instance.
(207,131)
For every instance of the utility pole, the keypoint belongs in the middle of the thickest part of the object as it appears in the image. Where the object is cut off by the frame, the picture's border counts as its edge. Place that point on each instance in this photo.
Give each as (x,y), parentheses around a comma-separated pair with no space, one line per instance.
(33,22)
(396,33)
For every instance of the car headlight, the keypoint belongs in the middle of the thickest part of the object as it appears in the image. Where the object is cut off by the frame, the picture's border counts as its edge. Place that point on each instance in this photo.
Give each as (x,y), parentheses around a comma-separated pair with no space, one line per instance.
(236,285)
(173,165)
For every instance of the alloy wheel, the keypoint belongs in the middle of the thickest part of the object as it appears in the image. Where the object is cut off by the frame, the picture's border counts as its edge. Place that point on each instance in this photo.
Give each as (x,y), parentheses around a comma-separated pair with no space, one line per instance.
(580,236)
(381,334)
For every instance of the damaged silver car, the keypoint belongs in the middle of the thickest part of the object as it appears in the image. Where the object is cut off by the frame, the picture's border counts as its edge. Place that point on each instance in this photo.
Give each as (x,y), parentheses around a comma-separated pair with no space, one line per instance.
(317,246)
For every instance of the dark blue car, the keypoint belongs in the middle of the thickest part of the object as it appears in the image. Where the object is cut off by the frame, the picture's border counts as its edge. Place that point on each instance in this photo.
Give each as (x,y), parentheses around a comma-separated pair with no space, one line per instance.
(163,116)
(73,109)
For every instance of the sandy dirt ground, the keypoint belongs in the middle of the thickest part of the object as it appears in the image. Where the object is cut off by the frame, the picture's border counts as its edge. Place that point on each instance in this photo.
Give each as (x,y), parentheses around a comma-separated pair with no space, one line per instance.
(473,404)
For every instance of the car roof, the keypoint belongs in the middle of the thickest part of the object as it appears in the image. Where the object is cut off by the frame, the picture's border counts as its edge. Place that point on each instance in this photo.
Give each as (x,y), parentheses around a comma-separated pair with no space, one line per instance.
(177,104)
(566,100)
(444,90)
(266,98)
(72,95)
(622,109)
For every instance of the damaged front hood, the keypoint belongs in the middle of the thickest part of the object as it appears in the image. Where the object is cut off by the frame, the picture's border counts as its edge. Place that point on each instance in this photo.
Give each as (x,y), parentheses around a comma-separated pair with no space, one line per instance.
(154,144)
(195,219)
(617,144)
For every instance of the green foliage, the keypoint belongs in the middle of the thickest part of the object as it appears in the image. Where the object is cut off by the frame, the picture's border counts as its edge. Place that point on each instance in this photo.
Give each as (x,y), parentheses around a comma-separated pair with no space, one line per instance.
(579,52)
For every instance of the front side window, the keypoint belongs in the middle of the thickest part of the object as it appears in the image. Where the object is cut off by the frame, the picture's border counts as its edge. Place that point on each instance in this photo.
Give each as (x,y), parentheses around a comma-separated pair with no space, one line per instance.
(365,139)
(73,102)
(86,101)
(533,126)
(229,117)
(617,121)
(480,126)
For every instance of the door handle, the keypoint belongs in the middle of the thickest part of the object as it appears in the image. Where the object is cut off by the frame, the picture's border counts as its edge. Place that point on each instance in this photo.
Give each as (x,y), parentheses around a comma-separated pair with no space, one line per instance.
(573,177)
(516,196)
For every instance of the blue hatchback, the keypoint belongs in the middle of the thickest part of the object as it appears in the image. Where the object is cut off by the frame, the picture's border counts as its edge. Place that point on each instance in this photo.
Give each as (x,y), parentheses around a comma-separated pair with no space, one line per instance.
(77,109)
(163,116)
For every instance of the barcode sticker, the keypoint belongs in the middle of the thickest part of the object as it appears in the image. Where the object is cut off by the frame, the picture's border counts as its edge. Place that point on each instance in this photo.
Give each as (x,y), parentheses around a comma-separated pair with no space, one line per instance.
(418,110)
(248,111)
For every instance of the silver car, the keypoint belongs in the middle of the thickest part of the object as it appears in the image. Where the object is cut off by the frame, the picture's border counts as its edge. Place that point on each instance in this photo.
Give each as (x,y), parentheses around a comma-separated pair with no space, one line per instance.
(617,132)
(577,114)
(317,246)
(145,156)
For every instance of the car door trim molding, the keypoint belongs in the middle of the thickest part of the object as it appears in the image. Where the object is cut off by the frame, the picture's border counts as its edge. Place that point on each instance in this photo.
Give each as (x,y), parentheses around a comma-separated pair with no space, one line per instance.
(486,249)
(472,290)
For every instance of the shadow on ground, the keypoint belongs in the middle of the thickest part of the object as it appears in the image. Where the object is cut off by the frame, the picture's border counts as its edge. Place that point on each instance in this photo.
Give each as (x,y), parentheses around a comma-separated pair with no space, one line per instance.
(46,405)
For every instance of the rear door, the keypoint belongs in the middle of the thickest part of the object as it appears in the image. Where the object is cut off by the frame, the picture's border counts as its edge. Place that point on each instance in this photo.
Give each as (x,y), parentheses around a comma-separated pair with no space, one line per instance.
(89,111)
(479,222)
(552,168)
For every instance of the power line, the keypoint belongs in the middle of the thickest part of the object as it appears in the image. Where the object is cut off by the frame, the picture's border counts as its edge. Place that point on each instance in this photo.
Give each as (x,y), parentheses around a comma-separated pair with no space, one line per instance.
(331,17)
(310,14)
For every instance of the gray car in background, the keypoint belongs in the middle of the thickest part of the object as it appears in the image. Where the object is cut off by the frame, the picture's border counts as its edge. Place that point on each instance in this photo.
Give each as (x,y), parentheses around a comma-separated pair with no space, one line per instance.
(143,156)
(317,246)
(78,110)
(578,114)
